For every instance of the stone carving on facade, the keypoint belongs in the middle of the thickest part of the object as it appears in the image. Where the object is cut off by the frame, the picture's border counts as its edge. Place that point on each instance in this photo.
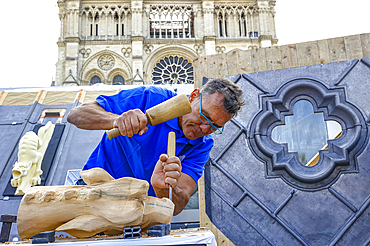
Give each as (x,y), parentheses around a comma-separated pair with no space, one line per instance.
(27,170)
(198,48)
(173,70)
(106,62)
(148,48)
(126,51)
(85,52)
(220,49)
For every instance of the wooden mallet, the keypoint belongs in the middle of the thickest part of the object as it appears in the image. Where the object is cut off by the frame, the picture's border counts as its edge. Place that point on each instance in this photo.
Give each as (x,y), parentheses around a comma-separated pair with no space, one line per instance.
(172,108)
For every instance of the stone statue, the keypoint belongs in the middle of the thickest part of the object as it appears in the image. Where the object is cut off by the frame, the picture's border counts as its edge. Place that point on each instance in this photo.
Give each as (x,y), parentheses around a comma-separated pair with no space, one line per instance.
(104,205)
(27,170)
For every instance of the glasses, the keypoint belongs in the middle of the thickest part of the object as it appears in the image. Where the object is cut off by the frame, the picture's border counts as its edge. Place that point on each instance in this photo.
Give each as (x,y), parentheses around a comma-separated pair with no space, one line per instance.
(206,121)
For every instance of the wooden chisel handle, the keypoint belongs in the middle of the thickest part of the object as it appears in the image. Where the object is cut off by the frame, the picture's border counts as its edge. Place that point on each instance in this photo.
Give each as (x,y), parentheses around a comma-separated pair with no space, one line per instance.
(172,108)
(171,151)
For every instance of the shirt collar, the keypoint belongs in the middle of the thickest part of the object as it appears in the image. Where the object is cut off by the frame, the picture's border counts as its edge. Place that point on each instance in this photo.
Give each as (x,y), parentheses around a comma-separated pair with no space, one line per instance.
(180,138)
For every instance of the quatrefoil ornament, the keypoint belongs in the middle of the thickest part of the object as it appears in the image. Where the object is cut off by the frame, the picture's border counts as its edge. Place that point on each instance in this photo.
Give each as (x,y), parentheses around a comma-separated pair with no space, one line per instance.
(341,155)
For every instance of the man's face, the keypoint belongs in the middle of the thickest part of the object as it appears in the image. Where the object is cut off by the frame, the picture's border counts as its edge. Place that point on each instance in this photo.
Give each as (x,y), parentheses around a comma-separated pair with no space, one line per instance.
(212,108)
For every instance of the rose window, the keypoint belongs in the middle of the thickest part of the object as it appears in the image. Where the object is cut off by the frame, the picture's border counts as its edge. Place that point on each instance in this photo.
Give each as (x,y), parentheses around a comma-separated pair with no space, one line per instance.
(173,70)
(106,62)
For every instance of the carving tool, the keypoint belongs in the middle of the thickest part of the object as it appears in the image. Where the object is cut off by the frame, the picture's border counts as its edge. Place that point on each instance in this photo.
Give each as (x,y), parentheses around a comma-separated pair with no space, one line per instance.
(172,108)
(171,151)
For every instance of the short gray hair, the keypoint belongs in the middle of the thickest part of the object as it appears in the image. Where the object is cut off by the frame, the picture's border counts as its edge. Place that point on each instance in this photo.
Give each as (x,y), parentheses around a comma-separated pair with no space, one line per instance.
(233,94)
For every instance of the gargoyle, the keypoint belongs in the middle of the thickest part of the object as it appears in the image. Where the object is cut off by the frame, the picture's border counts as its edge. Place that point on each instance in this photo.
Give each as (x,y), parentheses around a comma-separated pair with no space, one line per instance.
(104,205)
(27,170)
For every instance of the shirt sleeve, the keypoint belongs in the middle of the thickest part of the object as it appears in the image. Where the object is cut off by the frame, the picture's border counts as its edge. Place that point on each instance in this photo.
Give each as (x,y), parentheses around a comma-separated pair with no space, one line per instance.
(194,161)
(141,98)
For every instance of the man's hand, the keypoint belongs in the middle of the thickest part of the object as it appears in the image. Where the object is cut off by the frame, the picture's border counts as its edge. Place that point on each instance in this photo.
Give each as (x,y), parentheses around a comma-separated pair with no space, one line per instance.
(131,122)
(167,172)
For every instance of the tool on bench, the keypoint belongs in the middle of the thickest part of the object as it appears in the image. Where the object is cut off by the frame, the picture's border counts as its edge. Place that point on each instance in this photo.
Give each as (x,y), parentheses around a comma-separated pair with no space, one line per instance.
(172,108)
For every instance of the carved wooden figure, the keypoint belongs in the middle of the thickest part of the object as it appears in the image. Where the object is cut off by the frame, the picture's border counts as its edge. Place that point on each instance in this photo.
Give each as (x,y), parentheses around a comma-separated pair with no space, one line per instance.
(105,205)
(27,170)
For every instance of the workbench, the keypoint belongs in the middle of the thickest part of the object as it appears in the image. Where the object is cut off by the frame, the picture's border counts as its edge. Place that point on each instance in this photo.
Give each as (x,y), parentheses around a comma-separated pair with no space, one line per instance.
(196,236)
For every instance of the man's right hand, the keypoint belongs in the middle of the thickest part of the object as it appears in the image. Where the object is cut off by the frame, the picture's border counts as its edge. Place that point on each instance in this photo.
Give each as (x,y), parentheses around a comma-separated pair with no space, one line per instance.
(131,122)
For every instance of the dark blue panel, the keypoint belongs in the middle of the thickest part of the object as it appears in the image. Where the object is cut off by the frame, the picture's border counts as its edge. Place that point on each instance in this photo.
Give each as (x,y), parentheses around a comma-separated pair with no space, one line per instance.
(18,114)
(70,154)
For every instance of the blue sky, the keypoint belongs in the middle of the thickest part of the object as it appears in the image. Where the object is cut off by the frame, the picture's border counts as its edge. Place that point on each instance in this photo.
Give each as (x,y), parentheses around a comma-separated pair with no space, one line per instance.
(30,31)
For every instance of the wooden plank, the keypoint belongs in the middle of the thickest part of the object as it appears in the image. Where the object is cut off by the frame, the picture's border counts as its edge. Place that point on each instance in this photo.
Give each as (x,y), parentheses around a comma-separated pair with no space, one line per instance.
(200,70)
(289,56)
(204,219)
(323,51)
(337,49)
(365,44)
(202,203)
(3,96)
(308,53)
(258,60)
(214,65)
(353,47)
(232,61)
(224,68)
(245,61)
(273,58)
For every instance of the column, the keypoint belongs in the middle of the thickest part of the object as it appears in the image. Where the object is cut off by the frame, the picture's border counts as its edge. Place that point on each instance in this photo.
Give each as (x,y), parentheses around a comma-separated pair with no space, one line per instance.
(87,24)
(106,24)
(171,14)
(189,23)
(183,25)
(160,25)
(245,24)
(68,24)
(236,24)
(223,24)
(61,18)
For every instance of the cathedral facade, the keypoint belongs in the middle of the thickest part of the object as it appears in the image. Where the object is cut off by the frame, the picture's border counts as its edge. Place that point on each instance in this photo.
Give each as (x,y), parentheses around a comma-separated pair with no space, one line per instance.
(154,42)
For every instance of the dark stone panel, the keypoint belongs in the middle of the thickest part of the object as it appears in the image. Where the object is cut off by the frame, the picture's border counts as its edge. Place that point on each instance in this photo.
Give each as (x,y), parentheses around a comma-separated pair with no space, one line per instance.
(266,224)
(239,231)
(241,164)
(225,186)
(357,84)
(230,131)
(251,102)
(358,233)
(316,216)
(358,181)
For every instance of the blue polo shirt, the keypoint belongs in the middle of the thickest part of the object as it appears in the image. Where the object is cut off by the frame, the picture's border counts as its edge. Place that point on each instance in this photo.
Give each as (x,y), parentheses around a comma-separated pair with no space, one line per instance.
(136,156)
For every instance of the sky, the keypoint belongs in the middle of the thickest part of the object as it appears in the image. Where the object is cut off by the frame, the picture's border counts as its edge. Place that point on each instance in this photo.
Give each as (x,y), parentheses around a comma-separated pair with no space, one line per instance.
(31,29)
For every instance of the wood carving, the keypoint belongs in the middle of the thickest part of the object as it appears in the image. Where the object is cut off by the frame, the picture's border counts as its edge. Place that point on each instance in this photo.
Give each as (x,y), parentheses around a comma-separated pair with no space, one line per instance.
(27,170)
(105,205)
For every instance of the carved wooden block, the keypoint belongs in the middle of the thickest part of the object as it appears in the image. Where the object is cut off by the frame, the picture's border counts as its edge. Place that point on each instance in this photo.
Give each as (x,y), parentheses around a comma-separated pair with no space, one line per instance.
(105,204)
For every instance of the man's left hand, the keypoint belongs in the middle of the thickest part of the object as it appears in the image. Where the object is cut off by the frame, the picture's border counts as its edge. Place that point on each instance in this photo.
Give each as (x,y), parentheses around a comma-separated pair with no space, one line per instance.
(167,172)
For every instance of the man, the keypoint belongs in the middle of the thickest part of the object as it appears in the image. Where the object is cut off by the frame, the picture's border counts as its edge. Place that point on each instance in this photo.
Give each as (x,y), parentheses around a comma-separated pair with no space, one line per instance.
(140,151)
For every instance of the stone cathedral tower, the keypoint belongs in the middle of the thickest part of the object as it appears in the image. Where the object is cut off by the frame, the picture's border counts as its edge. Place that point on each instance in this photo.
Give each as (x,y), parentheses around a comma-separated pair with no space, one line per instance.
(154,42)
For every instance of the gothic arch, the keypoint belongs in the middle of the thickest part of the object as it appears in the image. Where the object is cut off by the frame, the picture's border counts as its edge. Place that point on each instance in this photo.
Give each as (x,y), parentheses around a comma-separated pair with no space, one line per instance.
(91,73)
(115,72)
(90,66)
(166,50)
